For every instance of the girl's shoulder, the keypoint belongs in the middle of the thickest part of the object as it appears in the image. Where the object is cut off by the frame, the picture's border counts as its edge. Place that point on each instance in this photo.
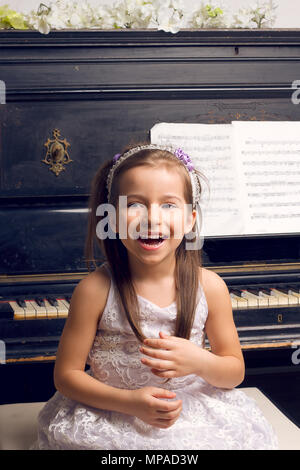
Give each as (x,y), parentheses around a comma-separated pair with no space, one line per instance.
(97,280)
(92,291)
(212,284)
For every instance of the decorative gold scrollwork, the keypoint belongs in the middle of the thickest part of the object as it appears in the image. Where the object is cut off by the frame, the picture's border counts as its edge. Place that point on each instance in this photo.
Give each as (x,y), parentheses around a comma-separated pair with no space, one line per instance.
(57,153)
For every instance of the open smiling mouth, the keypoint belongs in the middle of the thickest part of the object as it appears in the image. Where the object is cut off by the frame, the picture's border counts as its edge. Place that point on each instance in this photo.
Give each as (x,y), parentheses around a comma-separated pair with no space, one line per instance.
(151,243)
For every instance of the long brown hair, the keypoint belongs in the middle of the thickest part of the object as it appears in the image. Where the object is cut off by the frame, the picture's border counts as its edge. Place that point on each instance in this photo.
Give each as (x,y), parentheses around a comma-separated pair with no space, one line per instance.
(187,261)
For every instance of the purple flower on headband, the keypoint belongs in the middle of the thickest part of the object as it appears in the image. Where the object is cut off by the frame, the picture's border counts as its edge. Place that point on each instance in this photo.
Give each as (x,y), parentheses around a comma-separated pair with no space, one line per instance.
(116,157)
(184,158)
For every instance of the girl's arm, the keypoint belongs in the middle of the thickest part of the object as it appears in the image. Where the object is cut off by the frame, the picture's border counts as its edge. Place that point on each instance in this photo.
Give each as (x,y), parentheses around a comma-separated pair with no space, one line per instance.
(86,307)
(224,365)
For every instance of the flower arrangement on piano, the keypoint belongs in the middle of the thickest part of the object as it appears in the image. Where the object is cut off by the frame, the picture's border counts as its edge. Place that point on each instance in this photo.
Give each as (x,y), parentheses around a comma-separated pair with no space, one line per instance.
(166,15)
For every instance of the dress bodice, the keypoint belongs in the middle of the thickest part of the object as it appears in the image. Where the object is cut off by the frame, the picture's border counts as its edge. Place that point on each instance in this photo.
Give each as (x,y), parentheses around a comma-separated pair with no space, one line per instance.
(115,356)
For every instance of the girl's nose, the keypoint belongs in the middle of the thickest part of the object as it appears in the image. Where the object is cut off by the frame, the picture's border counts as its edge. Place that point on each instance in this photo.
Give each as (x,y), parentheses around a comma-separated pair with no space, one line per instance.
(152,217)
(154,214)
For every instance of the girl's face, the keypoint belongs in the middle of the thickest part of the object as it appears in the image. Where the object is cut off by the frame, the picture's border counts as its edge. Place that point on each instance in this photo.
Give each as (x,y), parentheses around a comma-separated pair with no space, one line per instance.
(155,208)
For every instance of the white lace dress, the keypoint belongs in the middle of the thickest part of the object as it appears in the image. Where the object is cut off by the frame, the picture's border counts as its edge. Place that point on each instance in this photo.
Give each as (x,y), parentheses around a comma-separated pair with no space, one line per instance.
(211,418)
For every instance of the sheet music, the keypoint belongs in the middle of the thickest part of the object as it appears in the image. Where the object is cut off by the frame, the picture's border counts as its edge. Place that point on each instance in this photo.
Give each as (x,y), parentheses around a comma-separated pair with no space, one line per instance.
(253,170)
(269,157)
(210,147)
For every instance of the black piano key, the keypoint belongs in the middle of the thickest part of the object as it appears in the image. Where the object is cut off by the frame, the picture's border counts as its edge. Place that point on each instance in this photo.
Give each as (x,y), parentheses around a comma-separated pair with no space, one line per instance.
(284,290)
(40,301)
(266,291)
(294,288)
(236,292)
(6,311)
(254,290)
(21,301)
(52,301)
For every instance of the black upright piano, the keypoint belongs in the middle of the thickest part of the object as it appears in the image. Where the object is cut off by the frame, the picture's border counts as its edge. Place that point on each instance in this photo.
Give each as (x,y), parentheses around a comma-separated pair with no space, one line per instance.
(74,99)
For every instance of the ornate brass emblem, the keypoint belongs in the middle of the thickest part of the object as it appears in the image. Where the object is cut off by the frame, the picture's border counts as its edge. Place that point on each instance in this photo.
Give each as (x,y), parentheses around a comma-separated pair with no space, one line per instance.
(57,153)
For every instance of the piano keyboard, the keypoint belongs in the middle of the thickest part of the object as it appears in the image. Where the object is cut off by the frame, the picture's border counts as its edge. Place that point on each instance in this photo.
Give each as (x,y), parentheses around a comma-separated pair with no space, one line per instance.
(265,297)
(31,325)
(41,308)
(50,307)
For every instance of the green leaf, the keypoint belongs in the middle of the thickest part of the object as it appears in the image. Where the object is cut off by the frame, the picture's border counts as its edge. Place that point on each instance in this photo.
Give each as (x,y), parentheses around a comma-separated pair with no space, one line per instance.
(17,22)
(11,19)
(213,13)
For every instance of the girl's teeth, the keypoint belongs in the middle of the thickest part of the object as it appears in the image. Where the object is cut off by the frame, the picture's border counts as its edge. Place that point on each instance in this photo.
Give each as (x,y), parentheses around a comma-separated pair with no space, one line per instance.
(152,241)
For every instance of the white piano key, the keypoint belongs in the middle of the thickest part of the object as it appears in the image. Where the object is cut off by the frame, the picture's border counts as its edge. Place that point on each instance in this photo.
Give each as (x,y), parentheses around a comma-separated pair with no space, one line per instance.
(262,301)
(295,294)
(30,312)
(292,300)
(40,311)
(234,303)
(272,299)
(51,310)
(19,313)
(283,299)
(241,302)
(62,309)
(252,299)
(67,304)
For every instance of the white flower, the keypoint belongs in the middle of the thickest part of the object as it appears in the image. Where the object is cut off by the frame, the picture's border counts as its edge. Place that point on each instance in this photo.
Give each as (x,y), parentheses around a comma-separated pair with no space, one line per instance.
(119,15)
(57,18)
(241,19)
(166,15)
(75,21)
(260,16)
(208,16)
(168,20)
(170,15)
(141,14)
(101,18)
(42,25)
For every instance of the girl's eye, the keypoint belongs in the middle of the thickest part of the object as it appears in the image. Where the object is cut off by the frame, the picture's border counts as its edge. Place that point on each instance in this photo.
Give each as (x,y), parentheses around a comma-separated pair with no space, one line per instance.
(139,203)
(134,203)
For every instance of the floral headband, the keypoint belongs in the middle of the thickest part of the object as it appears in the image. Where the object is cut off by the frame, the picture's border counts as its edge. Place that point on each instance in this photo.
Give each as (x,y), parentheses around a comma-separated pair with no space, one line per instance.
(178,152)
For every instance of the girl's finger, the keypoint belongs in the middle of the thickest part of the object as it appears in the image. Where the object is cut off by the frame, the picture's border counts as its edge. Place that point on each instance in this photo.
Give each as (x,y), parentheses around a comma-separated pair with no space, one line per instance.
(167,374)
(168,407)
(156,353)
(158,343)
(164,335)
(159,364)
(170,414)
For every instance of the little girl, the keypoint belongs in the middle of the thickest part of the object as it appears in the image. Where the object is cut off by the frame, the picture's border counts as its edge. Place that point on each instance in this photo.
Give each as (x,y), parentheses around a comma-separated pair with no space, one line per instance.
(139,322)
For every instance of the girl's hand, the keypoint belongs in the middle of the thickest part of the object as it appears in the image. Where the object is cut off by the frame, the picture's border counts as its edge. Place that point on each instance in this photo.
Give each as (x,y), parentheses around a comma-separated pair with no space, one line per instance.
(147,404)
(173,356)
